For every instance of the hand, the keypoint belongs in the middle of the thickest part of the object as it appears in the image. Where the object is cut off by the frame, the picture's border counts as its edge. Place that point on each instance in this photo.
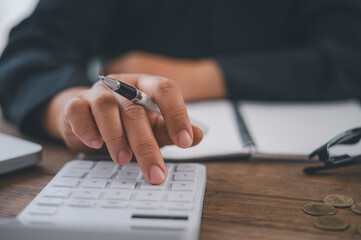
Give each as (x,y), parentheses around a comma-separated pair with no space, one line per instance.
(89,119)
(197,79)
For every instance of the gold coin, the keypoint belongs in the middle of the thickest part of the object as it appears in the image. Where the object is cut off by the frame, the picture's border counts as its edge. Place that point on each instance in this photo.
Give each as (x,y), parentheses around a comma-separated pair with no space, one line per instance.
(356,208)
(359,229)
(338,200)
(330,223)
(319,209)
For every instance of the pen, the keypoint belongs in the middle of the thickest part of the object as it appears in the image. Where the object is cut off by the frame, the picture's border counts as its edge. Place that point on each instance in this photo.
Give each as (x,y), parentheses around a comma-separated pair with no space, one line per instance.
(135,95)
(131,93)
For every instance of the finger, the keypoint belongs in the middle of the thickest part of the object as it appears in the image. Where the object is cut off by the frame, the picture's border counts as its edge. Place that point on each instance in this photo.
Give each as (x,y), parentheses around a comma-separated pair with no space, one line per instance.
(198,135)
(105,110)
(170,101)
(143,142)
(161,133)
(77,115)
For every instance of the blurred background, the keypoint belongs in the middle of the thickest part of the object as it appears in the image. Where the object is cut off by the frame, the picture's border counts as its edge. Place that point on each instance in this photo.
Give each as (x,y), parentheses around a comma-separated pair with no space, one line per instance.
(11,13)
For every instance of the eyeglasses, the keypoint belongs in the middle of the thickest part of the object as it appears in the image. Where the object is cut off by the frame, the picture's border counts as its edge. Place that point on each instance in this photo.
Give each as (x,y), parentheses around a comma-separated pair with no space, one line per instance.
(351,136)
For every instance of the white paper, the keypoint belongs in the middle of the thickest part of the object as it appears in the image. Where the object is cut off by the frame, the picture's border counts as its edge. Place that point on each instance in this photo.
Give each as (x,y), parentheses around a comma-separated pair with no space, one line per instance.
(222,137)
(300,128)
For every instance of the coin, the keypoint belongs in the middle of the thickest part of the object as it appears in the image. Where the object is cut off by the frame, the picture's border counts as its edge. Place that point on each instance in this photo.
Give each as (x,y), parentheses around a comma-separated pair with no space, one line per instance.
(359,229)
(330,223)
(356,208)
(338,200)
(319,209)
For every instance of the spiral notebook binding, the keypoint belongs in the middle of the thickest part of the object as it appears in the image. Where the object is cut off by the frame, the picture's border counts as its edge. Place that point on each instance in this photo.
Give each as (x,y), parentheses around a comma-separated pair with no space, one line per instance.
(247,140)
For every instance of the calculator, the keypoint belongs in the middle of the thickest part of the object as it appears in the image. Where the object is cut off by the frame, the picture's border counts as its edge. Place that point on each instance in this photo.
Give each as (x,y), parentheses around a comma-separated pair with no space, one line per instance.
(101,195)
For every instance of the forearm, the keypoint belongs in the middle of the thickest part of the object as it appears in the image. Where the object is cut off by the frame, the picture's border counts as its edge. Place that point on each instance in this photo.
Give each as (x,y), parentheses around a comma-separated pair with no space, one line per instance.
(197,79)
(204,82)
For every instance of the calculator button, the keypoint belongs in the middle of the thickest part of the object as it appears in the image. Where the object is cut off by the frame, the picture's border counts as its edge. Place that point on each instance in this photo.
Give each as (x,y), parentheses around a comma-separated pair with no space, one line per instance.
(118,194)
(87,194)
(113,204)
(94,183)
(186,168)
(57,193)
(123,184)
(50,202)
(180,197)
(185,176)
(81,203)
(183,186)
(149,196)
(146,205)
(66,182)
(75,173)
(148,186)
(130,166)
(103,170)
(169,166)
(42,211)
(179,206)
(81,164)
(129,174)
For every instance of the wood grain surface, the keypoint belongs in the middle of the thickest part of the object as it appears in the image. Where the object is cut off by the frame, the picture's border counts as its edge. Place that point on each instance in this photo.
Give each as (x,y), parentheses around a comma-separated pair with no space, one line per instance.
(243,199)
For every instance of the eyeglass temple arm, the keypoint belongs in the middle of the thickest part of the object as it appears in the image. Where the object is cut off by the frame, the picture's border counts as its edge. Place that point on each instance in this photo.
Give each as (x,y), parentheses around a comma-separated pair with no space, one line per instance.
(354,137)
(311,170)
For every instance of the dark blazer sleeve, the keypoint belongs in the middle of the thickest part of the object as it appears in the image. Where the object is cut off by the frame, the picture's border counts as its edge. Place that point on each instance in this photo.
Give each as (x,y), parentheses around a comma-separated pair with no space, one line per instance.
(322,61)
(48,52)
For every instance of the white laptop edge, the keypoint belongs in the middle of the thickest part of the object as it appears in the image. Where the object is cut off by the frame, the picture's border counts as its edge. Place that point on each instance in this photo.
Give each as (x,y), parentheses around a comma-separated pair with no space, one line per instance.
(17,153)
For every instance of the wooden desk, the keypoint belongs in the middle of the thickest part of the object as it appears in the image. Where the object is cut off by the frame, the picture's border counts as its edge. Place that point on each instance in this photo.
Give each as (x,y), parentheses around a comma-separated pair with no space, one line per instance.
(243,200)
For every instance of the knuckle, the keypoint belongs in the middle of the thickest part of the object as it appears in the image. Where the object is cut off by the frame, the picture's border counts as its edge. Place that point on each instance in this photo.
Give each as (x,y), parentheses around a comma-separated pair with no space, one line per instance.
(131,111)
(166,86)
(104,100)
(116,137)
(145,148)
(73,107)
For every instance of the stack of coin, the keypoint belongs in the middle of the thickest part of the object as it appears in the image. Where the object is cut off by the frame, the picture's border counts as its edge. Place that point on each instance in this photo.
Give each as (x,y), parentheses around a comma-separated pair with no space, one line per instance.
(327,208)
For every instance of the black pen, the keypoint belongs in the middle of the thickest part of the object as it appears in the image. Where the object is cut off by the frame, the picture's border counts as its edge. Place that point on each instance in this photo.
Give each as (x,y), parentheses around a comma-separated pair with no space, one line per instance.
(135,95)
(131,93)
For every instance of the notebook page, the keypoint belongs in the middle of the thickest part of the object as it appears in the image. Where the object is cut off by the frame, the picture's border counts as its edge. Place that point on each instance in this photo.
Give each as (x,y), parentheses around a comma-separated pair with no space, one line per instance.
(222,137)
(299,128)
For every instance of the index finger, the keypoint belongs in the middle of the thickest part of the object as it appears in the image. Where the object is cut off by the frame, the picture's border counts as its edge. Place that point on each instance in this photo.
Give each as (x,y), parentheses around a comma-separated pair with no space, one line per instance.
(171,104)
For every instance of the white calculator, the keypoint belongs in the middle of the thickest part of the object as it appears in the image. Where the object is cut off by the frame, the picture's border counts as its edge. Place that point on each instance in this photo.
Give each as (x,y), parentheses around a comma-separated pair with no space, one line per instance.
(102,196)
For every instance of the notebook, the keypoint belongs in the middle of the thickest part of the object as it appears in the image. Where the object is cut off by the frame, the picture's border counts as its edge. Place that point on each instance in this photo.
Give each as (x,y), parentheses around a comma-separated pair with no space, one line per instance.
(268,131)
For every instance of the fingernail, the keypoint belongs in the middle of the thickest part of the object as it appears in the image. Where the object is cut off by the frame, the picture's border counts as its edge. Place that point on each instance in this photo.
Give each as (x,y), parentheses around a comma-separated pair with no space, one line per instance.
(184,139)
(124,156)
(156,174)
(96,143)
